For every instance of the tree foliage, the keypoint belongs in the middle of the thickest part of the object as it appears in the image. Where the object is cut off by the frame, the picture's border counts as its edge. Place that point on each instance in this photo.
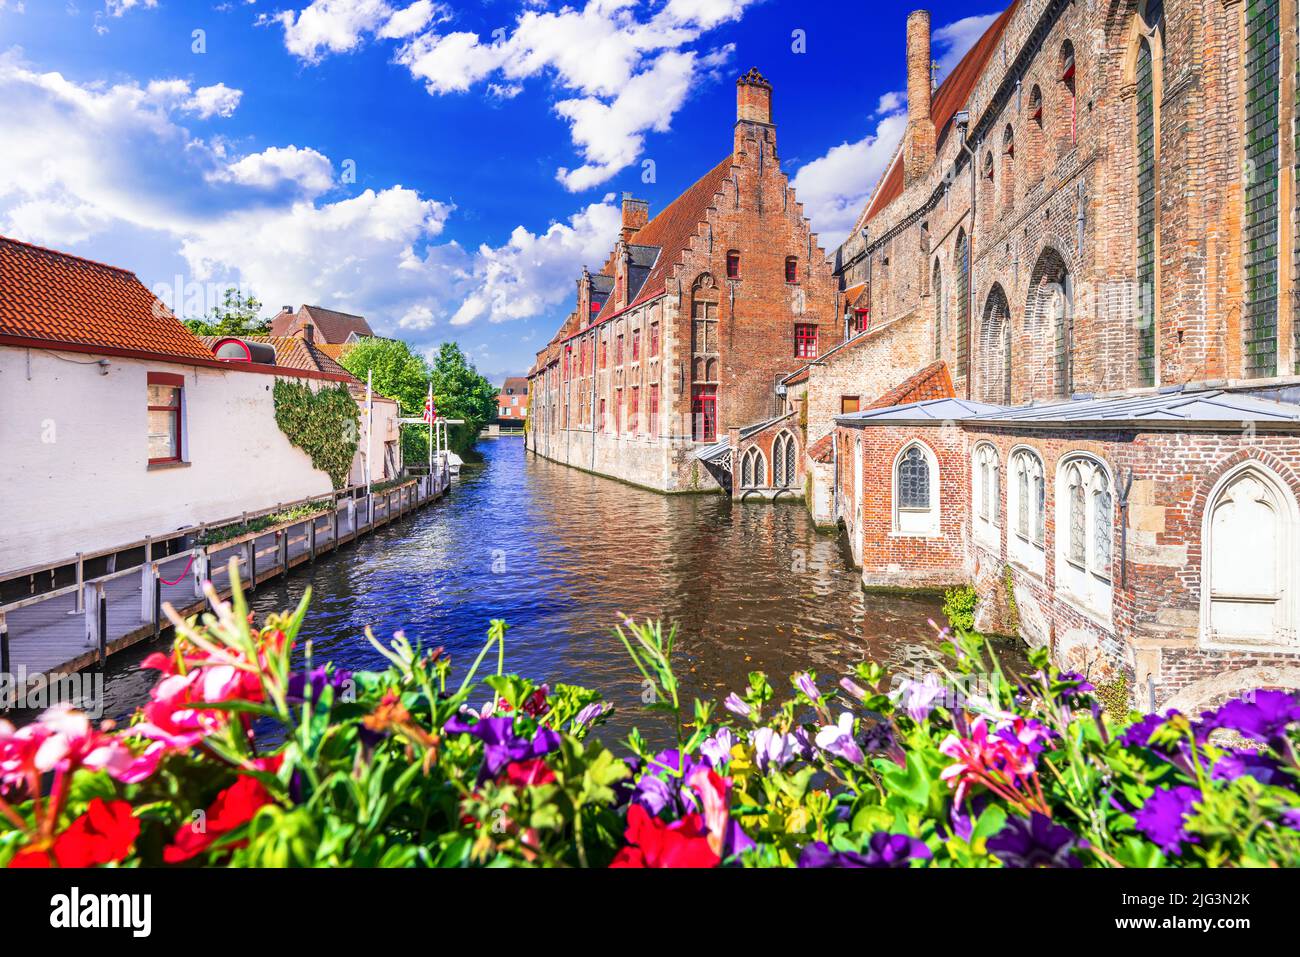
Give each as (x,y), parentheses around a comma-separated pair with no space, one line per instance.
(236,316)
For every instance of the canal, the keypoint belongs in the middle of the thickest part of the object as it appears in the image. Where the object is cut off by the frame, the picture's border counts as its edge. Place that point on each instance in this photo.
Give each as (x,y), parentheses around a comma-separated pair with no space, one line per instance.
(559,554)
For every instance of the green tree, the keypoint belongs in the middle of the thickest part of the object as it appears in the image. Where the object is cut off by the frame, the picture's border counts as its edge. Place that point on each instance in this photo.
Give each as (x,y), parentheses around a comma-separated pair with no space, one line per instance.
(236,316)
(461,392)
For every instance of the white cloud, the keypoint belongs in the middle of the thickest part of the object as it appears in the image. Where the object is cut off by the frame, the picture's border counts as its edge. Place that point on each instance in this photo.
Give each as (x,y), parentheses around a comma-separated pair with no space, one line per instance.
(216,100)
(311,171)
(834,188)
(627,73)
(115,8)
(531,273)
(263,220)
(411,20)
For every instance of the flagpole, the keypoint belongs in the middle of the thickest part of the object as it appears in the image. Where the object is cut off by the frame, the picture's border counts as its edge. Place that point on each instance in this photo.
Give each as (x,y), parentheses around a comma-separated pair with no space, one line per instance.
(429,406)
(370,416)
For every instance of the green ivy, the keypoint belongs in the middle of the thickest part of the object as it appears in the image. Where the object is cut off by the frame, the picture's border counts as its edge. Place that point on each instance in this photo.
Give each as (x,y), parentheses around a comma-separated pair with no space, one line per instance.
(1013,613)
(959,607)
(324,424)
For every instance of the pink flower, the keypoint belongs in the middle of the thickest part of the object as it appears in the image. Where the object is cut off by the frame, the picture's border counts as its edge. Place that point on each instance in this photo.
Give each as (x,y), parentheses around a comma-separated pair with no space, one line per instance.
(1003,762)
(60,740)
(712,792)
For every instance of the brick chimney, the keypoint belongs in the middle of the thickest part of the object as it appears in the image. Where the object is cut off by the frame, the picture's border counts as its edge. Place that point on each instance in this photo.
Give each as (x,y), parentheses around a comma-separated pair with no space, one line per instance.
(584,298)
(308,332)
(918,157)
(753,99)
(636,213)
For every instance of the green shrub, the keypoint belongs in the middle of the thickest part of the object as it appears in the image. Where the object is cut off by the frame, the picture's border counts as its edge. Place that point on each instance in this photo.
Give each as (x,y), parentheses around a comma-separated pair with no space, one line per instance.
(959,607)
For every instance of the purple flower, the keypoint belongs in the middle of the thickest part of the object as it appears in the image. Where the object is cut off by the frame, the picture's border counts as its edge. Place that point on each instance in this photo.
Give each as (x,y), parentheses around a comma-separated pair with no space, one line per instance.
(500,743)
(853,689)
(660,785)
(1036,842)
(803,681)
(881,739)
(882,850)
(919,697)
(774,749)
(837,739)
(315,681)
(717,749)
(1291,818)
(588,715)
(733,704)
(1162,818)
(1248,761)
(1138,734)
(1261,716)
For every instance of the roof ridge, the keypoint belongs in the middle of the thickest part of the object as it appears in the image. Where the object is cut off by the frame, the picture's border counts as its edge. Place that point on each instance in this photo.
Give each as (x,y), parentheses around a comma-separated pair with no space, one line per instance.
(64,255)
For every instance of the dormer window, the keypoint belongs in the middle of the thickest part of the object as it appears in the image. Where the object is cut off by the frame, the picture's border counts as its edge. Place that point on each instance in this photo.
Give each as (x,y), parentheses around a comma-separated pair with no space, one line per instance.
(733,265)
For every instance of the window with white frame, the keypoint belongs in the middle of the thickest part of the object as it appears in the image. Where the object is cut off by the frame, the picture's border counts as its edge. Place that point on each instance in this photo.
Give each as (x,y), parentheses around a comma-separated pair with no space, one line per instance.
(916,491)
(985,486)
(1027,510)
(1249,579)
(1085,522)
(783,461)
(753,469)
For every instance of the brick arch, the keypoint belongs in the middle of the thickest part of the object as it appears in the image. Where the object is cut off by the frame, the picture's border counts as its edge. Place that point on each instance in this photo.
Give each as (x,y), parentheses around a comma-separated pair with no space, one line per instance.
(1048,325)
(994,356)
(1212,691)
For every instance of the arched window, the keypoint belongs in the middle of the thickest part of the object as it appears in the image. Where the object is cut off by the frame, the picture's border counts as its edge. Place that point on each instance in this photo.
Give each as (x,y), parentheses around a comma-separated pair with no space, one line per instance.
(1050,318)
(704,347)
(995,348)
(1249,580)
(916,506)
(1026,505)
(1008,167)
(988,192)
(783,461)
(1069,132)
(936,288)
(986,486)
(1148,83)
(1260,226)
(1085,523)
(753,469)
(1037,134)
(962,261)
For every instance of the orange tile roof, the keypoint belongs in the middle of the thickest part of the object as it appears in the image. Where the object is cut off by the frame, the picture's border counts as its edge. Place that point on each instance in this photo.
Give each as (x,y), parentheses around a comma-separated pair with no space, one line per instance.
(333,326)
(292,352)
(671,231)
(64,300)
(948,99)
(853,292)
(932,382)
(820,451)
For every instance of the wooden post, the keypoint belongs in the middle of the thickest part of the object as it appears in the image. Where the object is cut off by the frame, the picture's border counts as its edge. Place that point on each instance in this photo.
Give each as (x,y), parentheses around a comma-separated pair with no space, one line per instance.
(252,564)
(201,570)
(311,538)
(146,580)
(157,600)
(4,645)
(334,525)
(81,583)
(101,605)
(282,543)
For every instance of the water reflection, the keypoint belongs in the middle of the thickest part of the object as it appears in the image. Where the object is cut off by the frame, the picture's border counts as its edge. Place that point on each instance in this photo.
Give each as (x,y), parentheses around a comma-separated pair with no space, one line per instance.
(560,554)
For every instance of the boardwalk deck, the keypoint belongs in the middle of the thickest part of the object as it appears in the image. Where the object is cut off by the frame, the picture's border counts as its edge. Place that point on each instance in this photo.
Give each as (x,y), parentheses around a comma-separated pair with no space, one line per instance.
(48,634)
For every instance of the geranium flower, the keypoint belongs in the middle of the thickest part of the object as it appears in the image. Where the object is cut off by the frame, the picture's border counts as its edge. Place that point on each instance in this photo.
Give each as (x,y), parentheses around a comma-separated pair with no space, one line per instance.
(837,739)
(1163,816)
(535,706)
(1263,717)
(532,772)
(1035,841)
(61,740)
(881,850)
(103,835)
(652,843)
(233,808)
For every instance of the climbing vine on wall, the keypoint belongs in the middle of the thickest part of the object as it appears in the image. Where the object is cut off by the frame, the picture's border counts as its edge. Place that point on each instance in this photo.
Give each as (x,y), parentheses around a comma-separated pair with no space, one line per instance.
(324,424)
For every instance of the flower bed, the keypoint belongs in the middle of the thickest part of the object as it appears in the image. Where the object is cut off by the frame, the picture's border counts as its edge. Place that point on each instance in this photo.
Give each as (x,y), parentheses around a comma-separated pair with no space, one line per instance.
(422,765)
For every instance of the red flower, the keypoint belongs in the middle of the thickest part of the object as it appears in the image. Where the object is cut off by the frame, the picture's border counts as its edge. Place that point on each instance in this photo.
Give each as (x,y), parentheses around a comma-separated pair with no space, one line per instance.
(652,843)
(233,808)
(102,835)
(532,772)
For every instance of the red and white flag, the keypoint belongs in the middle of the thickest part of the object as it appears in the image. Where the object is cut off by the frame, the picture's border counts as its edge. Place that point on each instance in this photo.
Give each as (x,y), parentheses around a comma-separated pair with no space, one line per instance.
(430,413)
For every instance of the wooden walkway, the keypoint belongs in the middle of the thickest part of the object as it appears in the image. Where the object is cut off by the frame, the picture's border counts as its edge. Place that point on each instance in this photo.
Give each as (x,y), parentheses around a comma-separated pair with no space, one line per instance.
(49,634)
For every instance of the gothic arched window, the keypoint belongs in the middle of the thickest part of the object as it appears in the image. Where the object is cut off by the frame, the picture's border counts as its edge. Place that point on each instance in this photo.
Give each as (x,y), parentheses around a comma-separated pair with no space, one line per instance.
(916,506)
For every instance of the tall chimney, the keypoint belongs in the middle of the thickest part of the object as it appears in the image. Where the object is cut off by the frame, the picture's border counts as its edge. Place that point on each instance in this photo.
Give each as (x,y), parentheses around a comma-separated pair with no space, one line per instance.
(919,152)
(753,99)
(636,213)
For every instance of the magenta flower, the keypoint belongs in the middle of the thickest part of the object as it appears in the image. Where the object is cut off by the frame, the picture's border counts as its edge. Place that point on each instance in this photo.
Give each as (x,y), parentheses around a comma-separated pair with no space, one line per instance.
(1002,763)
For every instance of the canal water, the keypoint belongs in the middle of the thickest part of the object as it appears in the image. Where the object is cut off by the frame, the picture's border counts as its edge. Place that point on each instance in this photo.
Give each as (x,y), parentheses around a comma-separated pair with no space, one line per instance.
(561,554)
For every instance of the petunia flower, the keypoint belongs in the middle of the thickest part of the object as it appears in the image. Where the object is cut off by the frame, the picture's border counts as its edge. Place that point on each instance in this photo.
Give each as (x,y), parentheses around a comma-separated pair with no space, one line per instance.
(882,849)
(920,697)
(654,843)
(837,739)
(1263,716)
(717,749)
(803,681)
(1036,841)
(735,705)
(774,749)
(1163,817)
(588,716)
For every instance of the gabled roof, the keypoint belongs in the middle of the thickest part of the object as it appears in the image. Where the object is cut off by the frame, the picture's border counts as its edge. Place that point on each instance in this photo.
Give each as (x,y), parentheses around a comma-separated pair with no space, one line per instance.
(1213,408)
(514,385)
(333,326)
(932,382)
(927,412)
(951,96)
(64,300)
(670,233)
(292,352)
(853,293)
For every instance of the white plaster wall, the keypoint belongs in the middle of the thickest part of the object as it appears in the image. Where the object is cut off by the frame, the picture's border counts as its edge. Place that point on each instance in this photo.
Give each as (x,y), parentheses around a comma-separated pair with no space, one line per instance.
(74,462)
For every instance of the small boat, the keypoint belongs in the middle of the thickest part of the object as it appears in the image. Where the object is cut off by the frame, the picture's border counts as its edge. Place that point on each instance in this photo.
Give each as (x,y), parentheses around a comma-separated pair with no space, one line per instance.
(454,462)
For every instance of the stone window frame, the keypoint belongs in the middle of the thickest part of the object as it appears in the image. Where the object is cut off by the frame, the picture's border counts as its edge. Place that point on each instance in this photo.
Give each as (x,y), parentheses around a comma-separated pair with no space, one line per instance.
(1288,566)
(1080,579)
(753,468)
(1027,547)
(1144,70)
(915,521)
(986,494)
(784,460)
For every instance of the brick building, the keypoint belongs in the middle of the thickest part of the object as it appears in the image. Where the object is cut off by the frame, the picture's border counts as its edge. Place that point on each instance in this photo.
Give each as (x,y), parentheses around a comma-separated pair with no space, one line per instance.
(688,328)
(1066,229)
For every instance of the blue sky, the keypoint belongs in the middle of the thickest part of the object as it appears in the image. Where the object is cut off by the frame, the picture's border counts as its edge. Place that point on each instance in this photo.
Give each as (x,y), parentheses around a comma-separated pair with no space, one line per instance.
(444,168)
